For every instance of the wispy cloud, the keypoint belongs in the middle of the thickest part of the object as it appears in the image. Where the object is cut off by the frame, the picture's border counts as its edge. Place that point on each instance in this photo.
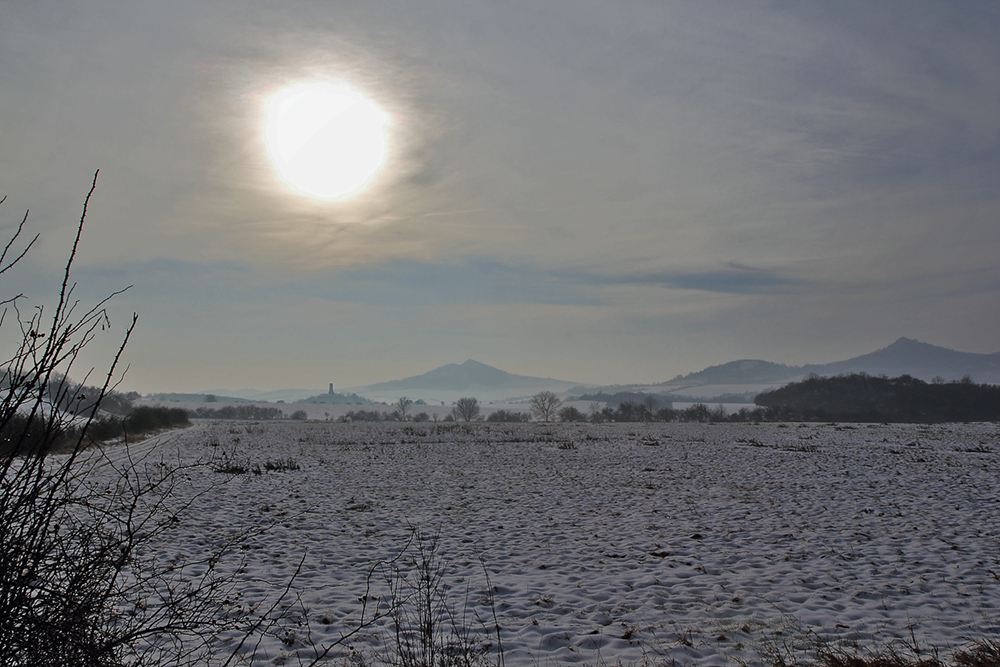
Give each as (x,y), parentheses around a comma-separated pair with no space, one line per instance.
(733,279)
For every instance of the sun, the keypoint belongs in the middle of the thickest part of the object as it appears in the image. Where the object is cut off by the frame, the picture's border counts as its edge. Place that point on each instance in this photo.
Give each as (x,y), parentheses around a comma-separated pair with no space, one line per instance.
(325,139)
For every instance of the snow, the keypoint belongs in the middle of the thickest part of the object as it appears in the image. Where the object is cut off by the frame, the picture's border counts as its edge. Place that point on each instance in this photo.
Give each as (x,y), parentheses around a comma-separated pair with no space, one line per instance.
(714,544)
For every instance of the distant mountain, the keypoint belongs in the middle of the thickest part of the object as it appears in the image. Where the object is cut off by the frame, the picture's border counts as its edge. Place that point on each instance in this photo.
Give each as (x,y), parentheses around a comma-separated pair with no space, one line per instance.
(195,398)
(744,371)
(905,356)
(726,382)
(286,395)
(448,383)
(921,360)
(469,375)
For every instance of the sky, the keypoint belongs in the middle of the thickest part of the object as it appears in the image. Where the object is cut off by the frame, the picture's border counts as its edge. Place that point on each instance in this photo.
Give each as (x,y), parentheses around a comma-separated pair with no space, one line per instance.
(603,192)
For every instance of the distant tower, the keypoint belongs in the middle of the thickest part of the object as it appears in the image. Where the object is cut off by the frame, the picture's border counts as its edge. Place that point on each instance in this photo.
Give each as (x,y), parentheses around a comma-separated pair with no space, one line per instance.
(331,387)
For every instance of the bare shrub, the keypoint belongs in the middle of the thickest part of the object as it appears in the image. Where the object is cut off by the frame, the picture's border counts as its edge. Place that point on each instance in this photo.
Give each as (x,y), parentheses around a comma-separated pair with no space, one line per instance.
(281,465)
(985,653)
(80,583)
(430,627)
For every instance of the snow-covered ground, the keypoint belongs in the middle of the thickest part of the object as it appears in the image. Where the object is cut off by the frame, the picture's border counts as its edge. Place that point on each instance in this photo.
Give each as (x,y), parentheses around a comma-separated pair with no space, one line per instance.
(708,544)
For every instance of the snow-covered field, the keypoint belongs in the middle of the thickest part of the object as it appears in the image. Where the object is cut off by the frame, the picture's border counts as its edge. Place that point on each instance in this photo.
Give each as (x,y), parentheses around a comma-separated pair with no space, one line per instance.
(708,544)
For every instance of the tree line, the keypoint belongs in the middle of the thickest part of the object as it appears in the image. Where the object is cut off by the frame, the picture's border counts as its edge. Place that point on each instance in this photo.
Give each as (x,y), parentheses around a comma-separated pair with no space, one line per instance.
(855,397)
(107,417)
(546,406)
(860,397)
(247,411)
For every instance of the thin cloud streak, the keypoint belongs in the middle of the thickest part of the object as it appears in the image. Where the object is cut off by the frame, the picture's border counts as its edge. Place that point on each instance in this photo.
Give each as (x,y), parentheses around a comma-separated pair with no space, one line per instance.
(727,281)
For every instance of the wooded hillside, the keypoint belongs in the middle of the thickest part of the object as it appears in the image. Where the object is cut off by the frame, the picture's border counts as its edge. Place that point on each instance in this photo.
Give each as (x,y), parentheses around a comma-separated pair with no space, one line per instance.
(862,397)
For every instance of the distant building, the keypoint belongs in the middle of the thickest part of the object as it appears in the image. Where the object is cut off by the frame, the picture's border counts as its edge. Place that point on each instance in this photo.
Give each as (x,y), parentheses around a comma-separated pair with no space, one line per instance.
(331,387)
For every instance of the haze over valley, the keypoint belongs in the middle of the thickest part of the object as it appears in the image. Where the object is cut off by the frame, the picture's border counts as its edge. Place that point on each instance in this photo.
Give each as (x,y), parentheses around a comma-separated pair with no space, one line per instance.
(741,377)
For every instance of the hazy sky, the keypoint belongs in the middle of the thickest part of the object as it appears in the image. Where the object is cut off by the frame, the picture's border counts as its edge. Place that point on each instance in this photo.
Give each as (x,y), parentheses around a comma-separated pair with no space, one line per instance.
(594,191)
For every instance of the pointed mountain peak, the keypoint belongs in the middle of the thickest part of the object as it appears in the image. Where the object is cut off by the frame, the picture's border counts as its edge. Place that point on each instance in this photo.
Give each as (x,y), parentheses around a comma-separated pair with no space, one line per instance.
(468,375)
(908,343)
(472,363)
(921,360)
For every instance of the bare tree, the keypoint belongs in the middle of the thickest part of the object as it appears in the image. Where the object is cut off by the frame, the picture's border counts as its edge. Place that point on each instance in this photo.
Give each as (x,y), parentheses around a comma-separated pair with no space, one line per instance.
(403,405)
(545,405)
(79,581)
(466,409)
(650,406)
(430,625)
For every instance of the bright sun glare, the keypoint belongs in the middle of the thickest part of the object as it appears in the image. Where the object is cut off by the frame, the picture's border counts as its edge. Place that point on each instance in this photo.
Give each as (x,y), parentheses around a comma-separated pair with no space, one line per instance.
(325,139)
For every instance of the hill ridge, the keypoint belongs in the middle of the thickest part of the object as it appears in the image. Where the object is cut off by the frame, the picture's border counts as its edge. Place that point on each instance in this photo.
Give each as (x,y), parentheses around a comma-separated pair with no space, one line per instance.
(904,356)
(469,374)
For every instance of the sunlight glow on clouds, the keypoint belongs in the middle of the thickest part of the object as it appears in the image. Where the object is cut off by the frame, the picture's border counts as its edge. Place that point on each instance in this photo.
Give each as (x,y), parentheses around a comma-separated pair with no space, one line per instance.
(325,139)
